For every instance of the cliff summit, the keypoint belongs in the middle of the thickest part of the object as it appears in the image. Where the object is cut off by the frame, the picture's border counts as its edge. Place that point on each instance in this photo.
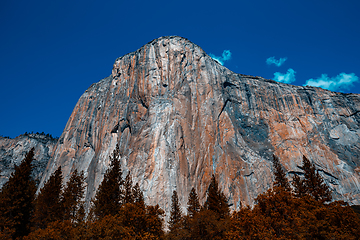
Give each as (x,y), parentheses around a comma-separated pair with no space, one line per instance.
(179,117)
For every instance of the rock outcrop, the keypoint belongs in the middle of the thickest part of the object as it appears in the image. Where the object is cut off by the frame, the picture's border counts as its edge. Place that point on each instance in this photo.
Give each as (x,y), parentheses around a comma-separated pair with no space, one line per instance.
(179,117)
(14,150)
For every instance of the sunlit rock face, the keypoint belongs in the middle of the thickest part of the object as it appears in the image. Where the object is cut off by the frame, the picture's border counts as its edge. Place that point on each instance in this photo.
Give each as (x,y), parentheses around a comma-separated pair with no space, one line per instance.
(13,151)
(179,117)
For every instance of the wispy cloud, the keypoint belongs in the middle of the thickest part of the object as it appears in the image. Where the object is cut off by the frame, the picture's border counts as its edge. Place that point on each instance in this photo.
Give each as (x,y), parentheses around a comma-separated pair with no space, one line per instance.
(343,81)
(287,77)
(226,56)
(278,63)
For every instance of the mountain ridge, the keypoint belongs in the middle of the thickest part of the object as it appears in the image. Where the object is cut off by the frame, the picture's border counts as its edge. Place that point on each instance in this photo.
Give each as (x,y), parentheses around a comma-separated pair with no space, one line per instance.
(13,150)
(179,116)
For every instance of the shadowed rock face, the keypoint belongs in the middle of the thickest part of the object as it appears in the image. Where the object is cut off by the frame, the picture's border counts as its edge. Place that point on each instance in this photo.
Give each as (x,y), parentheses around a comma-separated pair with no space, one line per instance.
(179,117)
(13,151)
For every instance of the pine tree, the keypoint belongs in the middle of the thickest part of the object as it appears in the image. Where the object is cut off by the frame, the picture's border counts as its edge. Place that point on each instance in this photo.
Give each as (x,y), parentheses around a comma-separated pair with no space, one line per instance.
(312,184)
(72,195)
(133,214)
(16,199)
(192,221)
(128,189)
(108,197)
(140,208)
(280,176)
(175,214)
(138,195)
(48,202)
(193,204)
(315,183)
(299,187)
(216,200)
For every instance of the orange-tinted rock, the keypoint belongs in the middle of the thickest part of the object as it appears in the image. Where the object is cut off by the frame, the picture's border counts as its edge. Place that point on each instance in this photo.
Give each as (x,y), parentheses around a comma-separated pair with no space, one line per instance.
(179,117)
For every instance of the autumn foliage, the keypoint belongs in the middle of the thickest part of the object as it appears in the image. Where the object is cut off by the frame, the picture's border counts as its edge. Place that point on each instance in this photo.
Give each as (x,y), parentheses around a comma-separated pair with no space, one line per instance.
(305,212)
(297,208)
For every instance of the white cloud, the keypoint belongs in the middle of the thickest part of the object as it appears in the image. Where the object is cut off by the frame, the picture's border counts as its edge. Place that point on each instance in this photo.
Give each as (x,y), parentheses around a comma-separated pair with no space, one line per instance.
(343,81)
(226,56)
(278,63)
(287,77)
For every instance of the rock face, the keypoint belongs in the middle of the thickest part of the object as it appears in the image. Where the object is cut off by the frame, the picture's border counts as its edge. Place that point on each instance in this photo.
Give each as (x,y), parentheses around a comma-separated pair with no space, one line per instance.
(179,117)
(13,151)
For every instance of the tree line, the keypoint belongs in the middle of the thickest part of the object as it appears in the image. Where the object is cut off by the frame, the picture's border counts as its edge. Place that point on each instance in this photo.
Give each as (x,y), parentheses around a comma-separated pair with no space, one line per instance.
(298,209)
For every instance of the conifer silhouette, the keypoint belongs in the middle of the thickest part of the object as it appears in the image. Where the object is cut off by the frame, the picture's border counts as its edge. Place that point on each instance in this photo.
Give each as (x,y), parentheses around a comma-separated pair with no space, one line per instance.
(72,195)
(128,189)
(16,199)
(280,176)
(175,214)
(48,202)
(216,200)
(312,184)
(299,187)
(108,197)
(138,195)
(193,205)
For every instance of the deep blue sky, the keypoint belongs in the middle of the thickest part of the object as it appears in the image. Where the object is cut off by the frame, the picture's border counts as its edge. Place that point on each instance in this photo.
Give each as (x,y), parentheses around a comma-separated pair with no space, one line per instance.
(52,51)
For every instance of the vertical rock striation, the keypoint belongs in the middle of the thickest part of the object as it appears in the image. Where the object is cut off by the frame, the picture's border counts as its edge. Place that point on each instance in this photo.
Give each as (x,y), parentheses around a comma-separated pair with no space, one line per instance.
(179,117)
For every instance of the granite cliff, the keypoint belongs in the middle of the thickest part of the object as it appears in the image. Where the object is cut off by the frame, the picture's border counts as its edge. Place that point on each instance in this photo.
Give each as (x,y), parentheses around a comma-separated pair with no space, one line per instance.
(179,116)
(13,151)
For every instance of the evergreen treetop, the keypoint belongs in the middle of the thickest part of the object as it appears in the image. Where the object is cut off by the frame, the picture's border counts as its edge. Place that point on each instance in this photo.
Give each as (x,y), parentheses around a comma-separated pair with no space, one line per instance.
(48,202)
(138,195)
(216,200)
(193,204)
(109,195)
(16,199)
(280,175)
(312,184)
(175,213)
(128,189)
(72,195)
